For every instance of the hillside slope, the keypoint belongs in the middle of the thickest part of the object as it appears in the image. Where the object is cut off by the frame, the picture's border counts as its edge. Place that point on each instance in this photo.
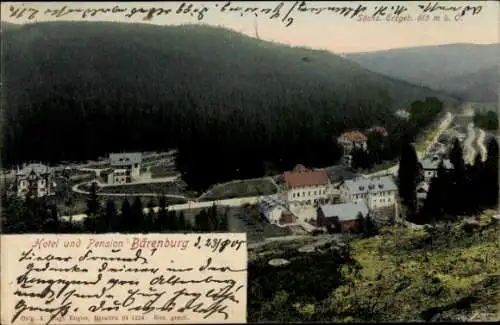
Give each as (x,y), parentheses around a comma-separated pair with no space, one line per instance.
(479,86)
(456,68)
(146,59)
(111,86)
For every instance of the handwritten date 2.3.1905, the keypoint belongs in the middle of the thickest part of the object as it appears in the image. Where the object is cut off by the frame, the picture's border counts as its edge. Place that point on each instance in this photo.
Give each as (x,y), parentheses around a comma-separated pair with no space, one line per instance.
(130,279)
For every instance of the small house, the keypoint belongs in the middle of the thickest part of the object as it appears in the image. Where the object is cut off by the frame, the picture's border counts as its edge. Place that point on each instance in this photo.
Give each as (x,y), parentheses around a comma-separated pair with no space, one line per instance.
(125,167)
(342,217)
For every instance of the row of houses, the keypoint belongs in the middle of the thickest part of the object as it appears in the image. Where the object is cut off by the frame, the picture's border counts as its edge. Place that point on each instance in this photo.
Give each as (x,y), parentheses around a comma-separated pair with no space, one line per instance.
(357,140)
(37,179)
(341,201)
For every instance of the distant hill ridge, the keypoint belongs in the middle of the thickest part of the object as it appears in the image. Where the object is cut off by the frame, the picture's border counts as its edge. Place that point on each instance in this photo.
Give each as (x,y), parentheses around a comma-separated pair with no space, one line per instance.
(469,71)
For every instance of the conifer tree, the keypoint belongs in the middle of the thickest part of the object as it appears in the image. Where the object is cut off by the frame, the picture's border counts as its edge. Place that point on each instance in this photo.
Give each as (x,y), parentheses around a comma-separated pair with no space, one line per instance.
(490,181)
(408,176)
(126,216)
(137,215)
(111,221)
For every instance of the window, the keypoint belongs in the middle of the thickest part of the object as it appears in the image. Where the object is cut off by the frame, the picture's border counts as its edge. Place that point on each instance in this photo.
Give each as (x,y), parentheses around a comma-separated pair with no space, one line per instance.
(314,192)
(293,194)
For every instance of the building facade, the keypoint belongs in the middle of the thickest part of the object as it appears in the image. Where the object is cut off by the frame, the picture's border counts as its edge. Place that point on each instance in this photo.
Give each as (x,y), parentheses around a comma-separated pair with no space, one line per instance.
(353,140)
(350,141)
(306,187)
(429,167)
(375,192)
(275,211)
(341,217)
(34,180)
(125,167)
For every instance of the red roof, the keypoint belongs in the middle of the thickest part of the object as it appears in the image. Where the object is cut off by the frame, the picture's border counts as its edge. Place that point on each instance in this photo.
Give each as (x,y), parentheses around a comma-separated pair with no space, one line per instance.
(378,129)
(301,176)
(354,136)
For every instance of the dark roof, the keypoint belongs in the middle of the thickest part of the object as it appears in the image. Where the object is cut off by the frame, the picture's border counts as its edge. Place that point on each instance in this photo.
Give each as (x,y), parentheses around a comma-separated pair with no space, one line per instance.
(339,173)
(125,159)
(344,211)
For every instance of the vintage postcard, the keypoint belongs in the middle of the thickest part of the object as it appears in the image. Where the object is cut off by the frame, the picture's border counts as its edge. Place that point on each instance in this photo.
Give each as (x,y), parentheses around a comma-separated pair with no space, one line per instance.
(249,162)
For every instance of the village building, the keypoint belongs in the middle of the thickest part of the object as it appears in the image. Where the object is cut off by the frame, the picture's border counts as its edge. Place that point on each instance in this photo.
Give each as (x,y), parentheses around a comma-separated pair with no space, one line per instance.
(125,167)
(422,190)
(304,187)
(276,212)
(376,192)
(34,180)
(353,140)
(341,217)
(403,114)
(349,141)
(429,167)
(377,129)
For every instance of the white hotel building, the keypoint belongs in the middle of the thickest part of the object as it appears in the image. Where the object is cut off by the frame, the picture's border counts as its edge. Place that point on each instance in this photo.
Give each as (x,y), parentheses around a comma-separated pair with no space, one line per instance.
(306,187)
(376,192)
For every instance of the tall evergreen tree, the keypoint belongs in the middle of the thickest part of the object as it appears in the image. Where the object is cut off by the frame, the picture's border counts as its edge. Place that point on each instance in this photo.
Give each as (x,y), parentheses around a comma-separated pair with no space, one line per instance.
(111,221)
(212,220)
(408,176)
(182,222)
(173,221)
(93,205)
(491,188)
(224,222)
(370,227)
(137,215)
(149,217)
(459,185)
(361,222)
(126,216)
(433,208)
(162,222)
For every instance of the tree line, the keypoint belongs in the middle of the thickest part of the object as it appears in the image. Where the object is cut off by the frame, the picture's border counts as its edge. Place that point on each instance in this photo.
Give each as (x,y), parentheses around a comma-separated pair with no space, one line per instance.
(38,215)
(244,137)
(465,189)
(385,148)
(487,121)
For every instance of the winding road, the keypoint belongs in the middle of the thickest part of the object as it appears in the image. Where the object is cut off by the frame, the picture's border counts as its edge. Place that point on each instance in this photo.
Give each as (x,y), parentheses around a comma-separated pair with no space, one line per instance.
(445,123)
(480,143)
(469,151)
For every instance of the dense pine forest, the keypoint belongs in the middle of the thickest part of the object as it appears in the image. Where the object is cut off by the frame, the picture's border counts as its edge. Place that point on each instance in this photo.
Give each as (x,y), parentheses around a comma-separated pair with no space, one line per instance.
(234,106)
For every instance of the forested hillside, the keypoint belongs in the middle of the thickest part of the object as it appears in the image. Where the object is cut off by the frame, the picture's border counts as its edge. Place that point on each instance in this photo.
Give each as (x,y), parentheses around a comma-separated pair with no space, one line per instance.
(230,103)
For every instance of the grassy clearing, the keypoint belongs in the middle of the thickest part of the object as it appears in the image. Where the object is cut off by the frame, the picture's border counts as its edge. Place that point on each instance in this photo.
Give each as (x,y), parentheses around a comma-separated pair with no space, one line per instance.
(244,188)
(407,275)
(162,171)
(427,138)
(150,188)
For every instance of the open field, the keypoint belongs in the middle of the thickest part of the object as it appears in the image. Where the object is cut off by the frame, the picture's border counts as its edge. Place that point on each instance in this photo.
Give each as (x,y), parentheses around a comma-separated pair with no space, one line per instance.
(426,139)
(163,171)
(431,270)
(243,188)
(176,188)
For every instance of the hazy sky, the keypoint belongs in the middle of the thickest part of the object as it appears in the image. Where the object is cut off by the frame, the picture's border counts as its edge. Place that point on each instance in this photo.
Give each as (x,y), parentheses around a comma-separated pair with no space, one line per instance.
(322,31)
